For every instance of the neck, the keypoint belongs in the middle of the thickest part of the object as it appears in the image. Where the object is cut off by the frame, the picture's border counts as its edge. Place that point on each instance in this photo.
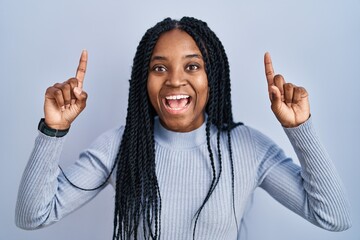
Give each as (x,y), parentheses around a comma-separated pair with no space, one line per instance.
(180,140)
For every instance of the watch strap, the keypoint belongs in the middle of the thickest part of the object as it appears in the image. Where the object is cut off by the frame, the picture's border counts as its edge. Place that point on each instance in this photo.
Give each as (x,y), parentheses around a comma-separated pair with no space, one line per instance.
(51,132)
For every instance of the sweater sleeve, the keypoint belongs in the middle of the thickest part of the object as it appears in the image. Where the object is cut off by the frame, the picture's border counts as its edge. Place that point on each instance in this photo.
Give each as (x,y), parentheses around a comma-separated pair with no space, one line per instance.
(45,196)
(314,189)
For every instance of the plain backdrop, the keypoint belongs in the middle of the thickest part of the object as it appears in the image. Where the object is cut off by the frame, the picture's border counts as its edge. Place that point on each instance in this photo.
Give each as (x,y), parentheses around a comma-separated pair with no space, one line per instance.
(315,44)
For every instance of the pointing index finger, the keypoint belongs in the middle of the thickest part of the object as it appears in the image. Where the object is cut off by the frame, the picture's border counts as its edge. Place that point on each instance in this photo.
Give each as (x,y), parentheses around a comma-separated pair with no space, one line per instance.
(269,70)
(81,70)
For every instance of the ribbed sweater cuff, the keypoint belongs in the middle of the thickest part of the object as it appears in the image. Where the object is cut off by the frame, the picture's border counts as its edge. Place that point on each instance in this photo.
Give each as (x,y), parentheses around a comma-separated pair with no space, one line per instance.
(300,131)
(303,137)
(307,146)
(38,181)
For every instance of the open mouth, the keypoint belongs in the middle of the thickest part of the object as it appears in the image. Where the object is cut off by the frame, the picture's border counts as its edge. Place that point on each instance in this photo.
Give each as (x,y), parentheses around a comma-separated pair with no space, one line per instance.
(176,103)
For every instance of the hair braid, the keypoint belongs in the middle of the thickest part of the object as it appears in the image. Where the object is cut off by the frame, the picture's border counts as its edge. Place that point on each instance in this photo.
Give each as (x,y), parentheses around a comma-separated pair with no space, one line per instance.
(212,102)
(137,192)
(219,79)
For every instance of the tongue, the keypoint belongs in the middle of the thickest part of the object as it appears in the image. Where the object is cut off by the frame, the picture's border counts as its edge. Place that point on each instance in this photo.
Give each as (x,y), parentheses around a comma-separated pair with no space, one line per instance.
(177,103)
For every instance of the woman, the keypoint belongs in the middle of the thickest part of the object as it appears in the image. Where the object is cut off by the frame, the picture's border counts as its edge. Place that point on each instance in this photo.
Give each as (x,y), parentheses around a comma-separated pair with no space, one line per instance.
(183,168)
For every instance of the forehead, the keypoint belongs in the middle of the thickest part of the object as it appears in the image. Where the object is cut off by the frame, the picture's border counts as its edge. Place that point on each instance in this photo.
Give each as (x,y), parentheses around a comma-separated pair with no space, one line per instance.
(175,41)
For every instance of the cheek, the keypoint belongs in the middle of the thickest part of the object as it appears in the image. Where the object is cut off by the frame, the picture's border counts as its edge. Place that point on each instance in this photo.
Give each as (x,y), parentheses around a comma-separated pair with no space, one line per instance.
(203,91)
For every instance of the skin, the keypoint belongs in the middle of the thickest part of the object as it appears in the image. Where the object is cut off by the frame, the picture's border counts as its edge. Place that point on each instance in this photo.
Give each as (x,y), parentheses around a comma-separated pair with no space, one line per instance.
(177,68)
(65,101)
(181,71)
(289,103)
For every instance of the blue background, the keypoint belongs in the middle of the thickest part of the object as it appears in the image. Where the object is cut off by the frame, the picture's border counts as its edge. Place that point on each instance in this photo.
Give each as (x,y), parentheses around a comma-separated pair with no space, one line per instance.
(313,44)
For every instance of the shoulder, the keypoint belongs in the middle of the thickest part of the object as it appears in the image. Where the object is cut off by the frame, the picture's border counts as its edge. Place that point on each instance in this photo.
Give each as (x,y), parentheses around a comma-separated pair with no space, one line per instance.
(245,132)
(111,137)
(249,139)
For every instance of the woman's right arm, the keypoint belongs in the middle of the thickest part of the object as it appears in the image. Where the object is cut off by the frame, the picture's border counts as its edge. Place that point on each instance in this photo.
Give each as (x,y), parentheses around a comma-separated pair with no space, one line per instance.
(45,196)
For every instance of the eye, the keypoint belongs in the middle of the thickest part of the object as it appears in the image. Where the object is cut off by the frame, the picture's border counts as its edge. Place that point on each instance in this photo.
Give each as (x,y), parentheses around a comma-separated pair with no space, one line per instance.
(192,67)
(159,68)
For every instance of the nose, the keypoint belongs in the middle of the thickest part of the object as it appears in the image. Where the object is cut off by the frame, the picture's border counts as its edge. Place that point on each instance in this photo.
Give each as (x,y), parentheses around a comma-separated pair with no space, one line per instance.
(176,78)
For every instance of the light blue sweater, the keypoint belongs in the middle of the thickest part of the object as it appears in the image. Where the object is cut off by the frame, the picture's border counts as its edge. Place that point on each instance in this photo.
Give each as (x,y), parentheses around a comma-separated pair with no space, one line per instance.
(314,190)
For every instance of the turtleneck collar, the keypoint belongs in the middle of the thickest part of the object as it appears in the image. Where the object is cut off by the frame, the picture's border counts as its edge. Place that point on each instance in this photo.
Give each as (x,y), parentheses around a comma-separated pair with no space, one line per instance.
(181,140)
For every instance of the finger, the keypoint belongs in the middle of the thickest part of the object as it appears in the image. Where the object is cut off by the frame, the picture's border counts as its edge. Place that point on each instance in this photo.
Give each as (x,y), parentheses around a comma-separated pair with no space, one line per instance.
(269,70)
(299,94)
(81,70)
(275,97)
(56,94)
(66,92)
(73,83)
(279,82)
(288,92)
(81,97)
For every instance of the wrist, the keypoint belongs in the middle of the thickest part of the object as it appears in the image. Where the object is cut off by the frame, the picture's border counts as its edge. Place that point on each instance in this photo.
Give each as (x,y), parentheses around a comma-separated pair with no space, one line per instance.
(52,131)
(65,124)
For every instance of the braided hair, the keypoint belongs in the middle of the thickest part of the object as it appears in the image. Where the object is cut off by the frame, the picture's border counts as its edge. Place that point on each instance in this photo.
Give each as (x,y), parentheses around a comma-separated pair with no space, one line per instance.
(137,194)
(137,190)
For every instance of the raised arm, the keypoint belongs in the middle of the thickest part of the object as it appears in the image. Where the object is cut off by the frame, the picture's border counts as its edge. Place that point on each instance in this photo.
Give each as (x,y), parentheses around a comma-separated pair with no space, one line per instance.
(45,196)
(289,102)
(314,190)
(65,101)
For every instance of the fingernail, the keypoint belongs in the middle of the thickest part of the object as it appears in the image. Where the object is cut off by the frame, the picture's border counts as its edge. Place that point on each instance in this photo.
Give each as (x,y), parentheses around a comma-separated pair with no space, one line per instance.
(67,105)
(63,108)
(73,101)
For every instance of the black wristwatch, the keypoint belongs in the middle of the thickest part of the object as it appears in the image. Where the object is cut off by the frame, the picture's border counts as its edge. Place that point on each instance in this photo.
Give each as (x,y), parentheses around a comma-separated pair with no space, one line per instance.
(51,132)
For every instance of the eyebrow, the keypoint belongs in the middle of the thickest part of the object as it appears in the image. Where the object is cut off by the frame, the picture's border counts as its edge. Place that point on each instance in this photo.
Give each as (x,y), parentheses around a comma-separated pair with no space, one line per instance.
(195,55)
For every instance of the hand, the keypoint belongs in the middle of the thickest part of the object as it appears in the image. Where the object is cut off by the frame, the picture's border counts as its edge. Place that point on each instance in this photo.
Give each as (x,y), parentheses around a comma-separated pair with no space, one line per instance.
(65,101)
(289,103)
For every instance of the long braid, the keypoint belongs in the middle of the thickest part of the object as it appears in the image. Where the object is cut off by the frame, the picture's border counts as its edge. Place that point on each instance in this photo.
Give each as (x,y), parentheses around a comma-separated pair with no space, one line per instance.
(220,80)
(146,201)
(137,193)
(211,110)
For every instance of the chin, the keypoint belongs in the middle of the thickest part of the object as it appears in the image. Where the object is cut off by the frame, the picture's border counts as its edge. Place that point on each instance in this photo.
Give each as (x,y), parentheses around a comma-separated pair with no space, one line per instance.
(176,126)
(180,124)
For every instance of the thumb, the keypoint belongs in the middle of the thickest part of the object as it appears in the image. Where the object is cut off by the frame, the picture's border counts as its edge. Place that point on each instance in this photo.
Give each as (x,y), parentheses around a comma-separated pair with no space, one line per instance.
(275,96)
(80,95)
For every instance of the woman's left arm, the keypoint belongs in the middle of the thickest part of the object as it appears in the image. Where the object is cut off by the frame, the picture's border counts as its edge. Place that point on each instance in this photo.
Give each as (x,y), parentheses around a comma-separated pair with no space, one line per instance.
(313,190)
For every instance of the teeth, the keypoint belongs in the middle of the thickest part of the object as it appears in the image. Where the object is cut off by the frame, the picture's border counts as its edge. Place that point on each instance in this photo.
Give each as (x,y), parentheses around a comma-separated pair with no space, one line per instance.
(176,97)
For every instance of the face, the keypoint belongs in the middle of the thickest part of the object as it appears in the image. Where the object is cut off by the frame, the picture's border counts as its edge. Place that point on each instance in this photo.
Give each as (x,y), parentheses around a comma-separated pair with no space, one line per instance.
(177,83)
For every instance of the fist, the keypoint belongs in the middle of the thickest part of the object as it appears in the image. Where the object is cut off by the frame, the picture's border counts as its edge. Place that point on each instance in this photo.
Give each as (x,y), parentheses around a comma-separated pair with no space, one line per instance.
(289,103)
(65,101)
